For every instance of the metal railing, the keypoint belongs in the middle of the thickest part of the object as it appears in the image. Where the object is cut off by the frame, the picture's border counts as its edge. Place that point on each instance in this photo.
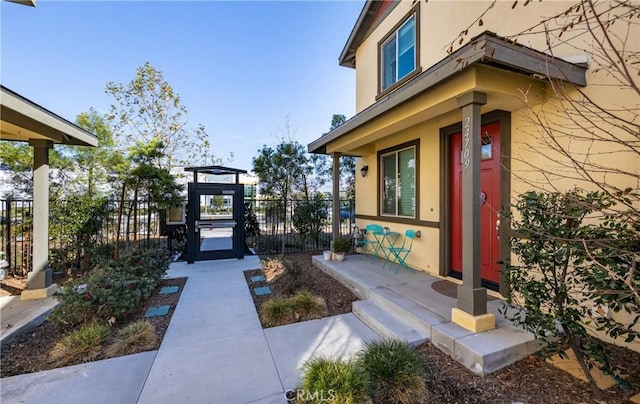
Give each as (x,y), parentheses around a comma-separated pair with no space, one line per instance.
(278,233)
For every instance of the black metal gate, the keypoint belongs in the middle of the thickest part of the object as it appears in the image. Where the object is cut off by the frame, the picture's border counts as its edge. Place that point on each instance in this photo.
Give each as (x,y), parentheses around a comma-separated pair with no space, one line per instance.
(215,217)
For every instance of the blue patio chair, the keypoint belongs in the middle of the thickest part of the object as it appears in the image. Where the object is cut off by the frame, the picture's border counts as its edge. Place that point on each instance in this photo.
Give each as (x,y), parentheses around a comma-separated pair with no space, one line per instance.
(371,242)
(401,253)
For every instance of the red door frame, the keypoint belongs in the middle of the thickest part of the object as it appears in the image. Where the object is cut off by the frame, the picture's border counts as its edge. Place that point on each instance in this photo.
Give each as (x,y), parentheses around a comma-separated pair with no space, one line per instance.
(504,118)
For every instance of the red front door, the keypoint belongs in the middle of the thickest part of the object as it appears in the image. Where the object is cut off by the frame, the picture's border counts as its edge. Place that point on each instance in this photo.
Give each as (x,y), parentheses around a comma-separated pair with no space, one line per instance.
(490,204)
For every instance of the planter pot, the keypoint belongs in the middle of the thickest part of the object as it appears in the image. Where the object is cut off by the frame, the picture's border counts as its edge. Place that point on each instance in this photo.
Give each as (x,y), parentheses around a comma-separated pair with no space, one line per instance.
(327,255)
(339,257)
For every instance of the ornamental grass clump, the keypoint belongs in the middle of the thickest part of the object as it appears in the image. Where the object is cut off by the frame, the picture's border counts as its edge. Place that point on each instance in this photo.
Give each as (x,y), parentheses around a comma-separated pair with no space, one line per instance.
(307,306)
(395,370)
(81,345)
(138,336)
(333,381)
(276,312)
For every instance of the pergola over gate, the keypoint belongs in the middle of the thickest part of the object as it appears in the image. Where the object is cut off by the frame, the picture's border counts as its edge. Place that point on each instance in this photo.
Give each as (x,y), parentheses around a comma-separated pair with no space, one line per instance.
(215,214)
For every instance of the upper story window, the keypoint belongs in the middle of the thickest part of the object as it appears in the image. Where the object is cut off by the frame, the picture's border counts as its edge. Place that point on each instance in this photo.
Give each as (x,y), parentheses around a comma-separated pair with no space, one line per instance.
(398,54)
(398,182)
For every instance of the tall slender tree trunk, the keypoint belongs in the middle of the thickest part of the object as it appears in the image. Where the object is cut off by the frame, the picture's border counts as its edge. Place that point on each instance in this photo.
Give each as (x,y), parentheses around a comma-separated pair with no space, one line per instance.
(120,211)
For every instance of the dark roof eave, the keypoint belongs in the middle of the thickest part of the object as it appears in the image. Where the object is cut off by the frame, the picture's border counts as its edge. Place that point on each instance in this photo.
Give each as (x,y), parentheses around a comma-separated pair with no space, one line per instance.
(216,170)
(487,48)
(348,55)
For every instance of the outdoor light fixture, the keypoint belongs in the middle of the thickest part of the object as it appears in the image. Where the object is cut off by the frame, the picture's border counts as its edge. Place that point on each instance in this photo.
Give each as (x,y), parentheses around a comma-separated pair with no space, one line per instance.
(364,170)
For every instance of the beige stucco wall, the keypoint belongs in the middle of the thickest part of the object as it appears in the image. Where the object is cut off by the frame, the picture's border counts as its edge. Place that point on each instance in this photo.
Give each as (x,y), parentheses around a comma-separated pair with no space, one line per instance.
(441,22)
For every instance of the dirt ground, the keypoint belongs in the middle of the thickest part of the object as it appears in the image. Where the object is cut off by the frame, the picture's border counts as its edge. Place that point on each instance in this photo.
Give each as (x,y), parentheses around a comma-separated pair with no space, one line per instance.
(29,352)
(531,380)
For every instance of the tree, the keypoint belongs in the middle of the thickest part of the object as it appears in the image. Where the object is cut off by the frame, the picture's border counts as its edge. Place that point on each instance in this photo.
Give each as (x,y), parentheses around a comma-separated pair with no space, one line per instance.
(561,283)
(310,216)
(146,109)
(96,162)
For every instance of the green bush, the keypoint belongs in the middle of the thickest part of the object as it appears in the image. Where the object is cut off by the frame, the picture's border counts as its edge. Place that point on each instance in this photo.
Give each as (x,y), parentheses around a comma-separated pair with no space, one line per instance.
(395,370)
(333,381)
(293,278)
(82,345)
(310,216)
(341,245)
(113,288)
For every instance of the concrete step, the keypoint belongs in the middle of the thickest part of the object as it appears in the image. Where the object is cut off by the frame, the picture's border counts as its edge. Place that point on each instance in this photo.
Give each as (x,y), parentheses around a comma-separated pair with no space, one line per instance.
(406,310)
(385,324)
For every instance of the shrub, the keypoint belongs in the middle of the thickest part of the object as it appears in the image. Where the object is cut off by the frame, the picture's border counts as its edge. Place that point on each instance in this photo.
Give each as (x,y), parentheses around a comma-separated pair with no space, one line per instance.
(333,381)
(82,345)
(276,312)
(272,268)
(113,288)
(293,278)
(396,372)
(341,245)
(136,337)
(307,306)
(310,216)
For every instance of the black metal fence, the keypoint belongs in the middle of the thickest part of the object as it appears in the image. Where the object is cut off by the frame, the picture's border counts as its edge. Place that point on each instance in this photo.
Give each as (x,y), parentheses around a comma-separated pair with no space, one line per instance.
(278,233)
(140,225)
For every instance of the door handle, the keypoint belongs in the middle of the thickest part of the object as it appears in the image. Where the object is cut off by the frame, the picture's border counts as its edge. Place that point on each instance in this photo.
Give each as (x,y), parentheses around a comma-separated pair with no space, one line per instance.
(498,228)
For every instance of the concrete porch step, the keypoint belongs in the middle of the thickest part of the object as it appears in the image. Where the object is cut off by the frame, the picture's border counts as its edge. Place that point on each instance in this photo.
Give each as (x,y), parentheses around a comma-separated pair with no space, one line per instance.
(385,324)
(406,310)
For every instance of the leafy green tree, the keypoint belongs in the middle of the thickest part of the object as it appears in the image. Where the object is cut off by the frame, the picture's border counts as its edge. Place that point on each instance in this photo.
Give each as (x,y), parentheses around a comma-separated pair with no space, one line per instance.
(96,162)
(564,275)
(146,109)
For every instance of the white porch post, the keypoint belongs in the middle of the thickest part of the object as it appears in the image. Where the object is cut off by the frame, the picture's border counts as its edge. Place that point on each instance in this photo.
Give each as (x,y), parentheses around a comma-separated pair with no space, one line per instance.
(336,197)
(471,312)
(39,279)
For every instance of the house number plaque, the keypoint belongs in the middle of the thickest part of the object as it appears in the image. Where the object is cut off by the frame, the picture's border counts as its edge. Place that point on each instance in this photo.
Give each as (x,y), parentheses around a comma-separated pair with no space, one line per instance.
(466,152)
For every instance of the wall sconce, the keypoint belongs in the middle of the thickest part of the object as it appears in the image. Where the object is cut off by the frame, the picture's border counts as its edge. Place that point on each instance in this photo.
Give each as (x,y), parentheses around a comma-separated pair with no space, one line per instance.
(364,170)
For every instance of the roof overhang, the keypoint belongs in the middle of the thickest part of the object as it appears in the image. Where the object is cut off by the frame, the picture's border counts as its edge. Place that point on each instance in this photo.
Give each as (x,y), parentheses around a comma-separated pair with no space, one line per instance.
(484,50)
(365,24)
(31,3)
(24,120)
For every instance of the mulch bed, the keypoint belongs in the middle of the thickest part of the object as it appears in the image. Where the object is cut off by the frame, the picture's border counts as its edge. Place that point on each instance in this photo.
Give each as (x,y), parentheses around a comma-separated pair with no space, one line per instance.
(29,352)
(531,380)
(337,298)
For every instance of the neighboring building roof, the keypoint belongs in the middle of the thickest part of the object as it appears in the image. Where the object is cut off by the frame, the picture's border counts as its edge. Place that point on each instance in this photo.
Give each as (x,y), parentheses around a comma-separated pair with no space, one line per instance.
(488,49)
(31,3)
(24,120)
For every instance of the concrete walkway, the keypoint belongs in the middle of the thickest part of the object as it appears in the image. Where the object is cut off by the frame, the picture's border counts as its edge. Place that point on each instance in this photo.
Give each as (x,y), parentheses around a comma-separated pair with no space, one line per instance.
(214,351)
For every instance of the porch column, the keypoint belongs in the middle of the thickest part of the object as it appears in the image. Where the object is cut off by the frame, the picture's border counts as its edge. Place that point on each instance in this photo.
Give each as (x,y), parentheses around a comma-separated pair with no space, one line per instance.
(471,312)
(39,281)
(336,197)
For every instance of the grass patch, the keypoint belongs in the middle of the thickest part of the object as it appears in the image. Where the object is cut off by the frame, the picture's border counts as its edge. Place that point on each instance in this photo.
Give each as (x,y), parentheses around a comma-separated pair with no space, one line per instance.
(396,372)
(138,336)
(307,306)
(333,381)
(276,312)
(301,307)
(81,345)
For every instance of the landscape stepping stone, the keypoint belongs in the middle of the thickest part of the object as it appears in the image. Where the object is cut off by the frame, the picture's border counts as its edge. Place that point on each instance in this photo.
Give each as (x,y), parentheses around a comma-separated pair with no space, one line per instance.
(258,278)
(169,289)
(264,290)
(158,311)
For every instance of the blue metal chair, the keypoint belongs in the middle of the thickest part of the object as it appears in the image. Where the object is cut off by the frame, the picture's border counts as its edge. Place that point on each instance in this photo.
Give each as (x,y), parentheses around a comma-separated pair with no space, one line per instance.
(401,253)
(370,242)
